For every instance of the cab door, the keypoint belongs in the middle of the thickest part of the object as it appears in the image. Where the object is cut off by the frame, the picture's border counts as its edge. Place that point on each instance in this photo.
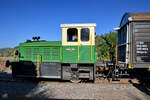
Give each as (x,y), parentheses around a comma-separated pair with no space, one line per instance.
(70,47)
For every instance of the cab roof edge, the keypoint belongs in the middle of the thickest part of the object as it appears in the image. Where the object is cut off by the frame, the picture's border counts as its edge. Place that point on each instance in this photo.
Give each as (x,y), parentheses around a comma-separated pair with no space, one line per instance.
(79,25)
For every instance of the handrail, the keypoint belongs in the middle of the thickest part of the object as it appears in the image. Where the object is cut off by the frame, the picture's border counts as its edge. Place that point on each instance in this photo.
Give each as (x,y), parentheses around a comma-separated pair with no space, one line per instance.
(78,50)
(91,48)
(38,65)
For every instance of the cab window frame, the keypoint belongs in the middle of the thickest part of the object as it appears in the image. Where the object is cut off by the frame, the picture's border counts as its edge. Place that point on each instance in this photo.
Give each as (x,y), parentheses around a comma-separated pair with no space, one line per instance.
(72,35)
(84,37)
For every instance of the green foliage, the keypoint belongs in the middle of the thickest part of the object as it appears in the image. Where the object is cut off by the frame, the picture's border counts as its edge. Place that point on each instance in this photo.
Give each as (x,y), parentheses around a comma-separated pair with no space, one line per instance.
(105,45)
(1,55)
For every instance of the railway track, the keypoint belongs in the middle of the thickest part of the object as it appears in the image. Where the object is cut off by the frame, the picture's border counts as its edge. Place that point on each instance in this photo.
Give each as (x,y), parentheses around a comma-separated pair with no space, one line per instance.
(97,81)
(8,78)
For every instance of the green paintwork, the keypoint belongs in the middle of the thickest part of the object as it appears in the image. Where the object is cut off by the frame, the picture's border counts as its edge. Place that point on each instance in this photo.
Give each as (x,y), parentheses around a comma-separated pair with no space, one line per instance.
(49,51)
(70,54)
(53,51)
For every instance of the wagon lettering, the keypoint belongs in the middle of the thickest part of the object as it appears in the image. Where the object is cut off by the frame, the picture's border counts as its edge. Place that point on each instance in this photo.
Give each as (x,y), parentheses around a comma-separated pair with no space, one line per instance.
(142,48)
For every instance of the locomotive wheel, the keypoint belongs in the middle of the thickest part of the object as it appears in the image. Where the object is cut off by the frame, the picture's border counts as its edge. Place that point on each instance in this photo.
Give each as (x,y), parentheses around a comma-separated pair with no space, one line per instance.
(75,78)
(75,81)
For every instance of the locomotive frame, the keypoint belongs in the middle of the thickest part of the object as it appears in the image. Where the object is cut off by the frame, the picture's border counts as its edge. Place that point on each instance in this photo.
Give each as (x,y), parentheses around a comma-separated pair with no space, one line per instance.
(68,59)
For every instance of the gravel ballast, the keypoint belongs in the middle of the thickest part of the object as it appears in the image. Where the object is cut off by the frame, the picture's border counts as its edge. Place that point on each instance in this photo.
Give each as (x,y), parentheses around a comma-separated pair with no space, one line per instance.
(60,90)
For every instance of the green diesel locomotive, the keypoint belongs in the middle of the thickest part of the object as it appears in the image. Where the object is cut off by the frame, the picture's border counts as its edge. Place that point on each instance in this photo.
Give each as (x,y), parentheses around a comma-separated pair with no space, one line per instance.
(73,58)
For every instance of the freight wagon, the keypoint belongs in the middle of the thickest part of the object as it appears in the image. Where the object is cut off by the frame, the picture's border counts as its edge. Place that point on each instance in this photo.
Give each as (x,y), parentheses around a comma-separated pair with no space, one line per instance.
(133,43)
(132,50)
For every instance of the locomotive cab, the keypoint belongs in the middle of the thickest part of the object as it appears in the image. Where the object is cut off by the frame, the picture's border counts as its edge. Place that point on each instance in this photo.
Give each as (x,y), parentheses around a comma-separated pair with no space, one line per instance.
(78,51)
(85,34)
(76,40)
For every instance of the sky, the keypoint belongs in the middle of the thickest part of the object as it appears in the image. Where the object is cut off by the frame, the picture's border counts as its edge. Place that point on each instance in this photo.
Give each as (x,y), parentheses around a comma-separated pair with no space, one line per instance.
(20,20)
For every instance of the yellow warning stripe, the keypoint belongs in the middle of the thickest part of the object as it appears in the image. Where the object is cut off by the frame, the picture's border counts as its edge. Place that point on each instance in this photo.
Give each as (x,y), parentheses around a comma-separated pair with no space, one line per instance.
(130,66)
(60,53)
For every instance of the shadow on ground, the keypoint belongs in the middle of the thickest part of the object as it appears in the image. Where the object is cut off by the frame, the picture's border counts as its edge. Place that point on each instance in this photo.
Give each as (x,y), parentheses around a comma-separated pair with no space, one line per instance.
(143,86)
(22,89)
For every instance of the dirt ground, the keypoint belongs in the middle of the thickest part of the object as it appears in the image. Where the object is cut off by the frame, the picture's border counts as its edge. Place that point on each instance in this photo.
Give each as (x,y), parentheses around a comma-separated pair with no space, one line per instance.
(3,68)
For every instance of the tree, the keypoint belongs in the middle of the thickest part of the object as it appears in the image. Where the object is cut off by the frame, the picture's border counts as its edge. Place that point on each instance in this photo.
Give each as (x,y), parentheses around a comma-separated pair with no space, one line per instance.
(106,43)
(1,55)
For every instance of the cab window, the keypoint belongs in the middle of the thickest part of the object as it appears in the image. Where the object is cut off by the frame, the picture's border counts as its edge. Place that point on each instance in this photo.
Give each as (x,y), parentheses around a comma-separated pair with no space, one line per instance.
(85,32)
(72,35)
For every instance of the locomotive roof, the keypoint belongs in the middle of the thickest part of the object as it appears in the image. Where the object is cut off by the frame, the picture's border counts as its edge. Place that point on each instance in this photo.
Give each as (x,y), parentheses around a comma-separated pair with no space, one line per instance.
(41,43)
(134,17)
(78,25)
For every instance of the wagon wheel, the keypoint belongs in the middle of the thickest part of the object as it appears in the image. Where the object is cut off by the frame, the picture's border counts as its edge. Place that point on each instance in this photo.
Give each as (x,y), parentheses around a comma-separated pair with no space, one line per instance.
(113,75)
